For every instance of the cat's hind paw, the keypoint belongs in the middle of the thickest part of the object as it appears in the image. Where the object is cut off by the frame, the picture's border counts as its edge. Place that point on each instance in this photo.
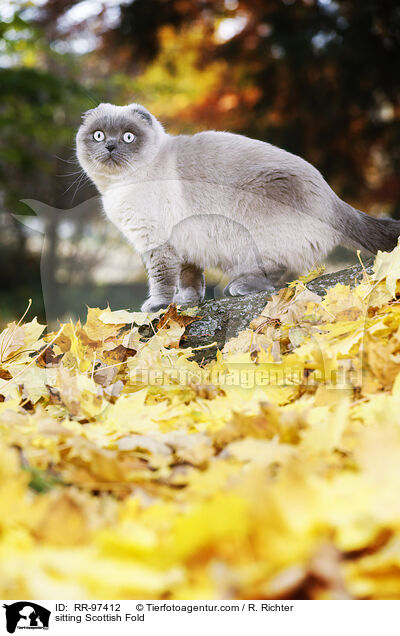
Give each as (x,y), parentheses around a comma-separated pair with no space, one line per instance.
(248,285)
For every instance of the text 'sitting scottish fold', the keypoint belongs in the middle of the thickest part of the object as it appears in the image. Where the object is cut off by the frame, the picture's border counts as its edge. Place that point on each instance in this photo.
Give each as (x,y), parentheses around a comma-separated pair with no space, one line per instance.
(215,199)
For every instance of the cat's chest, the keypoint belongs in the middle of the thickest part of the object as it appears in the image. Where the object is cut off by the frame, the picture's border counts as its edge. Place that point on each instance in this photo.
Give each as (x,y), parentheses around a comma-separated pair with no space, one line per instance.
(144,209)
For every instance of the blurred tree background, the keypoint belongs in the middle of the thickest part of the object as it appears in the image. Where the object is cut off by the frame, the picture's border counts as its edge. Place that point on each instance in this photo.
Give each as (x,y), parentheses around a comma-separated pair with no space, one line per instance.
(316,77)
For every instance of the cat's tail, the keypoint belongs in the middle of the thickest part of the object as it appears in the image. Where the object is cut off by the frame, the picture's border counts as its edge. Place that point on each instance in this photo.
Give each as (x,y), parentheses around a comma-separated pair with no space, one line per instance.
(359,230)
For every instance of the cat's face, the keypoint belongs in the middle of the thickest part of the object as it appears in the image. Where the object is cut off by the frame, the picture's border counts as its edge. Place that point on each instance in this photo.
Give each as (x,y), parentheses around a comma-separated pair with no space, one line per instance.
(115,140)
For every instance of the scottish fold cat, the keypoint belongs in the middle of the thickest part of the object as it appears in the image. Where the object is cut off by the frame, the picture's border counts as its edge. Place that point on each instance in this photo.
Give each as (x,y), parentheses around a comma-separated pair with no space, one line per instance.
(215,199)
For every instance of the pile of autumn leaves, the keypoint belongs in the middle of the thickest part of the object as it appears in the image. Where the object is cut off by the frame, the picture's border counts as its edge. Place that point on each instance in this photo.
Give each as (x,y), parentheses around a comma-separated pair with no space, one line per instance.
(129,470)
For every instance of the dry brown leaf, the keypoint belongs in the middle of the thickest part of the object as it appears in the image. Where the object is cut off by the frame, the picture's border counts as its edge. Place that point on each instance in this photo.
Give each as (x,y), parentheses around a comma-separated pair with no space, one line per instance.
(48,358)
(118,354)
(172,315)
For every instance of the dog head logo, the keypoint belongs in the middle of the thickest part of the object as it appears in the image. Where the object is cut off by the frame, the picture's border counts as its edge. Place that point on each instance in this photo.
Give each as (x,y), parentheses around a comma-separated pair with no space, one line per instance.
(26,615)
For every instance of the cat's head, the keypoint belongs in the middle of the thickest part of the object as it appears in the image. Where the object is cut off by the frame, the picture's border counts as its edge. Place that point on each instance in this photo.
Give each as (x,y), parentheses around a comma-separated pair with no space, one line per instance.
(113,141)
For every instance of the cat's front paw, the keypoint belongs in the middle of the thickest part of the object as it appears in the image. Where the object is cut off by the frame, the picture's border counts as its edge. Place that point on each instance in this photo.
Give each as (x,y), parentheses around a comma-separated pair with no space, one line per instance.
(154,304)
(187,296)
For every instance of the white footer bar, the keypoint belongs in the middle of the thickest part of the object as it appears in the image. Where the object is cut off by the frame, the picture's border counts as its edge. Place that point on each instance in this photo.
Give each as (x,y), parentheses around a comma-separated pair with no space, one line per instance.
(175,618)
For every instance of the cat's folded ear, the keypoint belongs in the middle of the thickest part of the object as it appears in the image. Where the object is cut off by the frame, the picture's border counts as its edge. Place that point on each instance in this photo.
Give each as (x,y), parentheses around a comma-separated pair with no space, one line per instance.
(142,112)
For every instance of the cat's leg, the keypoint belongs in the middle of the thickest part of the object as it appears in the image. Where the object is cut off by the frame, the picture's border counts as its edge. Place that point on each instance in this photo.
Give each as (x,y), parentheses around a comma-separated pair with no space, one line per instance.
(257,280)
(163,267)
(191,285)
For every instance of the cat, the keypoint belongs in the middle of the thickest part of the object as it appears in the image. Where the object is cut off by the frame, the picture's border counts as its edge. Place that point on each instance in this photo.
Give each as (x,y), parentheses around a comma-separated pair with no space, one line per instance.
(215,199)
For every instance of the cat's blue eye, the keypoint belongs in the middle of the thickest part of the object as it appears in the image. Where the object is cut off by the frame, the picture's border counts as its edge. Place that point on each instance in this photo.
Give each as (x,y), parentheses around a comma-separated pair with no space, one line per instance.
(128,137)
(98,135)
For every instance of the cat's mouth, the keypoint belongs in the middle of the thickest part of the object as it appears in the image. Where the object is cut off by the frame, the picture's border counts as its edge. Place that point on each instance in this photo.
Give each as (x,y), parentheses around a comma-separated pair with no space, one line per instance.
(111,162)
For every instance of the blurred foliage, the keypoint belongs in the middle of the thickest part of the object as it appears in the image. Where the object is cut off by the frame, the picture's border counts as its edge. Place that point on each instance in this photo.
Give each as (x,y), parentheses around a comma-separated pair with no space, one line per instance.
(315,77)
(42,97)
(40,101)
